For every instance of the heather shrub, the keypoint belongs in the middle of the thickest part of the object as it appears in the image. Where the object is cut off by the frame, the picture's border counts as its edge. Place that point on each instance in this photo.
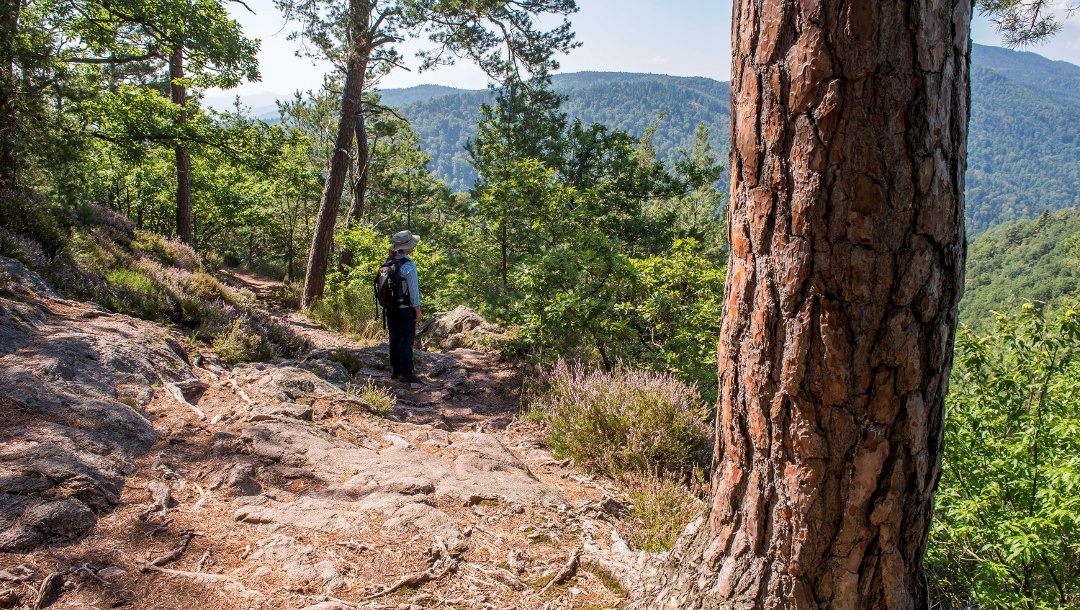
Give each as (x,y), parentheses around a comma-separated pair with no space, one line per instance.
(135,293)
(141,274)
(660,507)
(625,420)
(168,252)
(235,344)
(27,215)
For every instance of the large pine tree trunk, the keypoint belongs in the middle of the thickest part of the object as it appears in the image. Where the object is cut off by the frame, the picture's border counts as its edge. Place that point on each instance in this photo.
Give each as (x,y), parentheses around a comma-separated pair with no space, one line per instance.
(185,229)
(340,159)
(849,129)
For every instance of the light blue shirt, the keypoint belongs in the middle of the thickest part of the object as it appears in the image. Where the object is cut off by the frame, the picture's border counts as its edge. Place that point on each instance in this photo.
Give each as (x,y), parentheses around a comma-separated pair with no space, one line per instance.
(408,271)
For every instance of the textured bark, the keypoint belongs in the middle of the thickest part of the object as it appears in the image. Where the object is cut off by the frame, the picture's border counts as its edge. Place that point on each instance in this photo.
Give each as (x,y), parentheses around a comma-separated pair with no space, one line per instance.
(185,229)
(359,186)
(340,159)
(849,129)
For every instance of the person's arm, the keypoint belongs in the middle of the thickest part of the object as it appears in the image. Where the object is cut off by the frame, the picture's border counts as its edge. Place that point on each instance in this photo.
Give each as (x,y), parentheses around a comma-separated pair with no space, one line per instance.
(414,288)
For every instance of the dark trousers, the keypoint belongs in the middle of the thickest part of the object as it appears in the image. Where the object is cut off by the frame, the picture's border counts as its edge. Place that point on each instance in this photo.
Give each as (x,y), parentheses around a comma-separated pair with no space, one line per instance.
(401,324)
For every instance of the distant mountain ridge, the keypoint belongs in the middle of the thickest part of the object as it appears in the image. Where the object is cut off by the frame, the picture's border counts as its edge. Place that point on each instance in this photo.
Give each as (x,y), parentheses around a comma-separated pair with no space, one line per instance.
(620,100)
(1024,140)
(1023,147)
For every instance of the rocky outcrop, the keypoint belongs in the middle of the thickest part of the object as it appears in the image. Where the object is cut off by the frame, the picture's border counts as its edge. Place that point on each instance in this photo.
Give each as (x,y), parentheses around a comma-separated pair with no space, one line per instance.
(269,483)
(459,328)
(73,384)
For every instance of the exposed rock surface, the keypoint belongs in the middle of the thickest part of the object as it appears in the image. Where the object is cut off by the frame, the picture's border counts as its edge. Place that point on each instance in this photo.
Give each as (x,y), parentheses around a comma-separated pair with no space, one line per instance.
(460,327)
(73,381)
(271,485)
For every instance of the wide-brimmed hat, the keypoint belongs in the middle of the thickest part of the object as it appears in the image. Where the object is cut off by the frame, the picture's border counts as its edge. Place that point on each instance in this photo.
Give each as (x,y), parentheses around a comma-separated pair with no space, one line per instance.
(403,240)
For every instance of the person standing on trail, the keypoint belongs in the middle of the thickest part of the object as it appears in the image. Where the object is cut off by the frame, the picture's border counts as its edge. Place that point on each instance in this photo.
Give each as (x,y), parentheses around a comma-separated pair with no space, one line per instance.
(401,320)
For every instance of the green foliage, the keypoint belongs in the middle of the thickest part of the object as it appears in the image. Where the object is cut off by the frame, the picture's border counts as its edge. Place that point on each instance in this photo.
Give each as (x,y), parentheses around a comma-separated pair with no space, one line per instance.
(379,399)
(622,101)
(1022,22)
(625,421)
(145,275)
(1019,262)
(1007,528)
(1017,132)
(348,304)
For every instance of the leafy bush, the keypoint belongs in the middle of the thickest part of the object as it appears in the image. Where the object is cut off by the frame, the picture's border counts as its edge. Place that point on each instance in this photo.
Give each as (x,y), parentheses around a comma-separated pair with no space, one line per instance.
(625,421)
(660,507)
(104,259)
(1007,527)
(348,302)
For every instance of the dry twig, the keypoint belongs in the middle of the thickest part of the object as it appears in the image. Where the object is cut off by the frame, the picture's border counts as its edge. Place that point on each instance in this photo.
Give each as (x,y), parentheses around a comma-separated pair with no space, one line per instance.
(172,555)
(567,571)
(443,565)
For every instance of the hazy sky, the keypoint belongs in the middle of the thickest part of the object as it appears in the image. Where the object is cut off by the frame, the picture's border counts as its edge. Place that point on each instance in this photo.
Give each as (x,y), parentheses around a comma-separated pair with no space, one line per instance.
(679,37)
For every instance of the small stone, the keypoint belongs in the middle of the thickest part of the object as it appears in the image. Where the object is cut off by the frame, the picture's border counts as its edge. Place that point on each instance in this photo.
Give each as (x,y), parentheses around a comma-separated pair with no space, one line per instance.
(242,482)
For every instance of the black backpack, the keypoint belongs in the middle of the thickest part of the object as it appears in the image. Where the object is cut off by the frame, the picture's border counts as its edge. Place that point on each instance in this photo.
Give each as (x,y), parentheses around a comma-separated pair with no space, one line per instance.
(391,291)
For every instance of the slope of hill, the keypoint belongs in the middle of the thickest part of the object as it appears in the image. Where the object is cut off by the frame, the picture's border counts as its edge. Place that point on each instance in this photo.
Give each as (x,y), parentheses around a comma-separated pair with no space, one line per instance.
(617,99)
(1030,70)
(1019,262)
(1024,144)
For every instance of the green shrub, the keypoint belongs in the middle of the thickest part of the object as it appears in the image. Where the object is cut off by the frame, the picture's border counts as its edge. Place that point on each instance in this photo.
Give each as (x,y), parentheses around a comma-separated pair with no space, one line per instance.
(625,421)
(135,293)
(1006,532)
(348,306)
(660,507)
(237,344)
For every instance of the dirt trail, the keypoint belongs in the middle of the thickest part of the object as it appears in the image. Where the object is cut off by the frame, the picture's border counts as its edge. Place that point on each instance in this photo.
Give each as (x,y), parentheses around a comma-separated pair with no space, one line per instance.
(276,486)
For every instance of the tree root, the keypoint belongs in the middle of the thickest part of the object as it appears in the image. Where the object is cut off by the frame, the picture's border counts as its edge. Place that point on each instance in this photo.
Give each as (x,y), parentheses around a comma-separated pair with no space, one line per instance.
(50,588)
(177,394)
(567,571)
(20,573)
(444,564)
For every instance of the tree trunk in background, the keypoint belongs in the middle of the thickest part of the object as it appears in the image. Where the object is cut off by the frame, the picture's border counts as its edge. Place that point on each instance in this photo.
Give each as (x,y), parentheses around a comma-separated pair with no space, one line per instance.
(849,129)
(356,70)
(185,230)
(9,27)
(356,210)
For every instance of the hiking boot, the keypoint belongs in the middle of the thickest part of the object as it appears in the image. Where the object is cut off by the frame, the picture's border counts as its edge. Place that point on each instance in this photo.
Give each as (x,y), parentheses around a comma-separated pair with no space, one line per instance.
(395,376)
(410,378)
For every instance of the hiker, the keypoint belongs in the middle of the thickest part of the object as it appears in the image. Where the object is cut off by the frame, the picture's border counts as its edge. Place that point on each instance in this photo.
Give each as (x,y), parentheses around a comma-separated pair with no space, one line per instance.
(403,313)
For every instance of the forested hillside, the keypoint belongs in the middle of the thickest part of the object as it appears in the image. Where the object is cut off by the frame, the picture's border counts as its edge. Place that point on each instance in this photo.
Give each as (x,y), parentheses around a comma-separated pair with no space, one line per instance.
(1021,262)
(1024,144)
(631,102)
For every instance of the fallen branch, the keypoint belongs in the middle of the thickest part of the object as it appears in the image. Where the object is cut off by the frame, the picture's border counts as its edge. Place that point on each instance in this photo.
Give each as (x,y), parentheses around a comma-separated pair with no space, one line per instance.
(178,395)
(567,571)
(172,555)
(50,588)
(231,585)
(202,561)
(443,565)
